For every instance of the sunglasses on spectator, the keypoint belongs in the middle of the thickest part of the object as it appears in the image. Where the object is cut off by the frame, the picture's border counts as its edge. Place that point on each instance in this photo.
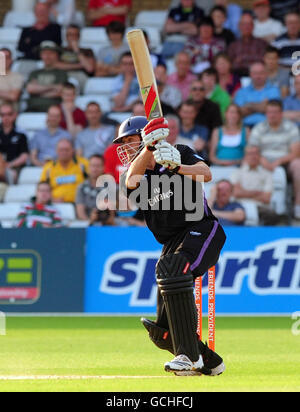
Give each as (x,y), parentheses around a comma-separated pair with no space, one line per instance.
(6,114)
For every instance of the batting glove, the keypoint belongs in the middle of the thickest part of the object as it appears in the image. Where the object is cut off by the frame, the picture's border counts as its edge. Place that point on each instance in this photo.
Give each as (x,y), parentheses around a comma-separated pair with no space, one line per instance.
(167,155)
(155,131)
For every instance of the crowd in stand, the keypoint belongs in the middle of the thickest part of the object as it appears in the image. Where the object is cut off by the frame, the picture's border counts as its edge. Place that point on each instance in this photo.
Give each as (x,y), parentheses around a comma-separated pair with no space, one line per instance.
(226,84)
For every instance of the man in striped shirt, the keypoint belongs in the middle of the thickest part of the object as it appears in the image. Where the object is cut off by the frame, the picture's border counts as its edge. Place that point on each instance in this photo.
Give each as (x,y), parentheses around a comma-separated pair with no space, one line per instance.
(289,42)
(39,212)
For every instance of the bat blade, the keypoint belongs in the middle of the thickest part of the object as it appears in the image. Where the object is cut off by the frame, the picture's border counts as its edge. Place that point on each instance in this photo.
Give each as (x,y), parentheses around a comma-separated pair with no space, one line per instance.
(144,71)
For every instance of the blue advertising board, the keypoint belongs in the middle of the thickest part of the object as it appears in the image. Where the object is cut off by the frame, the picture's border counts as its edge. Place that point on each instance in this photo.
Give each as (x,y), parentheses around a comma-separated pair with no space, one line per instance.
(258,272)
(42,270)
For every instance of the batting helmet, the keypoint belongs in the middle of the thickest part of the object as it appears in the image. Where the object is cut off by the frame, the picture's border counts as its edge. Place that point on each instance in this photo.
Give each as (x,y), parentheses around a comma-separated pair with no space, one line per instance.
(131,126)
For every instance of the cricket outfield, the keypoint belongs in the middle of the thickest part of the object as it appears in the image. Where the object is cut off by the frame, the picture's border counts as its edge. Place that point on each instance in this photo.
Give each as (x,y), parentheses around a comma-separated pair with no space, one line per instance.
(114,354)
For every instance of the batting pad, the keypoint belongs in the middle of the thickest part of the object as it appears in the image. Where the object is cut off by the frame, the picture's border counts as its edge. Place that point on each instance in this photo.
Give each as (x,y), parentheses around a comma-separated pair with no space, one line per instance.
(175,282)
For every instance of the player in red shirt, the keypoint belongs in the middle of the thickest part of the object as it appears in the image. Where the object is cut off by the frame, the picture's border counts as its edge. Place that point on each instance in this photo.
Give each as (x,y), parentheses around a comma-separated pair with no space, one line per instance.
(102,12)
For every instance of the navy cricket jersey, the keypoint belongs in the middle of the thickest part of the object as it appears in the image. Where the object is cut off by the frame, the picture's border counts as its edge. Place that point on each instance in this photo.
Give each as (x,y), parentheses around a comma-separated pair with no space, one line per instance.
(165,224)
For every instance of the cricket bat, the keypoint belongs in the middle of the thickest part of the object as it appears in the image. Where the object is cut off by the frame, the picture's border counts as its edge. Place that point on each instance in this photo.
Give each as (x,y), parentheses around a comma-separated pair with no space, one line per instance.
(144,71)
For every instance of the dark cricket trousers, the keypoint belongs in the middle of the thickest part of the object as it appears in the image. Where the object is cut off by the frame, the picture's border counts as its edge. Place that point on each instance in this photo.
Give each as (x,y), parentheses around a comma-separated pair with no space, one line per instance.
(201,244)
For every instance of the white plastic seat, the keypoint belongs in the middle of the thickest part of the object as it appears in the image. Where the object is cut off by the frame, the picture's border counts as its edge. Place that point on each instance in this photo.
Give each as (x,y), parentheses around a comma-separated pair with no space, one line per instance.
(19,193)
(222,172)
(9,212)
(30,175)
(104,102)
(99,85)
(66,211)
(153,34)
(151,18)
(251,211)
(19,19)
(119,116)
(9,36)
(30,123)
(93,37)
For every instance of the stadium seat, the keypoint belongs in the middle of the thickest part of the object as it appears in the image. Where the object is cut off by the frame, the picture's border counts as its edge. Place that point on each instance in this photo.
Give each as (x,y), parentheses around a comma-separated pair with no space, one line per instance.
(79,18)
(30,175)
(93,38)
(8,214)
(222,172)
(19,19)
(30,123)
(280,186)
(25,67)
(103,101)
(153,34)
(251,211)
(79,224)
(19,193)
(119,116)
(151,18)
(99,85)
(66,211)
(9,37)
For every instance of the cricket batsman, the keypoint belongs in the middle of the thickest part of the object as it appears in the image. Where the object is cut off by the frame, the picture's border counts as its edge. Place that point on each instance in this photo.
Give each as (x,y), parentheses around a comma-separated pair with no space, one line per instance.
(190,247)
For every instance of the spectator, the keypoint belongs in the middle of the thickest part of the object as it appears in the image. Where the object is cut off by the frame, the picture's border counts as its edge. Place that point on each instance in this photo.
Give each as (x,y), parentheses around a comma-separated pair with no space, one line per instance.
(78,62)
(43,30)
(229,81)
(254,183)
(62,11)
(13,144)
(204,47)
(279,142)
(277,76)
(190,133)
(128,215)
(234,13)
(253,98)
(183,76)
(3,178)
(125,89)
(102,12)
(72,118)
(44,142)
(219,16)
(182,22)
(229,213)
(291,103)
(96,137)
(66,173)
(108,58)
(279,8)
(170,95)
(45,85)
(214,91)
(289,42)
(265,27)
(174,128)
(246,50)
(39,213)
(209,113)
(228,142)
(112,164)
(11,84)
(87,192)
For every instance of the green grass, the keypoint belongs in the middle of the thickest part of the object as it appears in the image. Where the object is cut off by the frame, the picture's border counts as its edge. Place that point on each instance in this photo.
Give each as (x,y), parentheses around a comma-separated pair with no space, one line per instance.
(261,354)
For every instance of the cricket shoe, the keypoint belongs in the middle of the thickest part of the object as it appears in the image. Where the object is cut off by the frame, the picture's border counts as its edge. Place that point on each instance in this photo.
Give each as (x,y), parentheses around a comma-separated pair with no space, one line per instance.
(212,361)
(182,363)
